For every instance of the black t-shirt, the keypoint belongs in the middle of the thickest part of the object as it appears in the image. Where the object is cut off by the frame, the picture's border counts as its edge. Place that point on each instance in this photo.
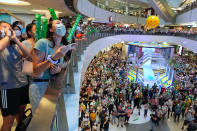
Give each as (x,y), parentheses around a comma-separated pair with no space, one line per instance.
(137,101)
(151,94)
(154,118)
(161,101)
(106,125)
(145,93)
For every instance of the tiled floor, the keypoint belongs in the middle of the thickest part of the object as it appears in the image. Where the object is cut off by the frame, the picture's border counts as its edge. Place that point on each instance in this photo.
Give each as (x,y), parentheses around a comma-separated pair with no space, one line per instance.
(136,119)
(166,125)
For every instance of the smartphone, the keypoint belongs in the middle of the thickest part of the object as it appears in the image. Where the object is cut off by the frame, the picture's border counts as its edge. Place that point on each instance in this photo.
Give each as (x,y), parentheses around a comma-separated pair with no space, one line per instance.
(72,46)
(2,33)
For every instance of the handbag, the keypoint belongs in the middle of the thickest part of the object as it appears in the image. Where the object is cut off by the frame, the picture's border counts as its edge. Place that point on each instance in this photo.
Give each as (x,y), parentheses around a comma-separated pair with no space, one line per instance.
(23,124)
(27,68)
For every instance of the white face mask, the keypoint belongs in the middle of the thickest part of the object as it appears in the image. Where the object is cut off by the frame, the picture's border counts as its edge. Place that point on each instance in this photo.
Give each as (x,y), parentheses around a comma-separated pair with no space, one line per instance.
(17,33)
(60,29)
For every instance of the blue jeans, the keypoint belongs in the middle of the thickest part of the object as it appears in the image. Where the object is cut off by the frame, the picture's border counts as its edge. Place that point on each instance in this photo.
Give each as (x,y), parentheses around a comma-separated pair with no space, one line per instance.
(36,91)
(153,126)
(113,119)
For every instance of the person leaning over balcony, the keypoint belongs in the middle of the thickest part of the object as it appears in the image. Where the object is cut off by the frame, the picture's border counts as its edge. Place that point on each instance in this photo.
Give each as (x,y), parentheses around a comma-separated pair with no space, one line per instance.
(53,50)
(13,84)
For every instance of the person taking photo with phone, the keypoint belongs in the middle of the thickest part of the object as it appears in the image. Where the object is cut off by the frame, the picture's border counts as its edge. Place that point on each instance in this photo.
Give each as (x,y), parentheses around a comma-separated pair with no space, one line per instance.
(47,60)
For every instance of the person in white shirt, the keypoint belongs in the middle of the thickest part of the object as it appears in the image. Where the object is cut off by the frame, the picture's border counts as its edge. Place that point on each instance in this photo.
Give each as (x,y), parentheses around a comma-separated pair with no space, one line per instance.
(164,110)
(169,105)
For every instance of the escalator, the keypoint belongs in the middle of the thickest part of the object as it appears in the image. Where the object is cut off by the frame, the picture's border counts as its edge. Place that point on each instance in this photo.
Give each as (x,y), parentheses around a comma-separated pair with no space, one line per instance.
(147,57)
(162,8)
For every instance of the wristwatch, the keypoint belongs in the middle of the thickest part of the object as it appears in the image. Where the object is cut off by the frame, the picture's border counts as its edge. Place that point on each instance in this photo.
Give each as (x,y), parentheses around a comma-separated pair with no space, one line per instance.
(51,60)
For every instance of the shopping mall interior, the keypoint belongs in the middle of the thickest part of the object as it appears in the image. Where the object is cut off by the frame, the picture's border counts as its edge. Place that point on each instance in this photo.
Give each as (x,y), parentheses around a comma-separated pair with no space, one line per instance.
(98,65)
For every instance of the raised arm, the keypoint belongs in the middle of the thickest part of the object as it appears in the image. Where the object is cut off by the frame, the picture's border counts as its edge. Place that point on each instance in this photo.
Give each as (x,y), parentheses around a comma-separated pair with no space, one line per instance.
(4,42)
(23,50)
(39,65)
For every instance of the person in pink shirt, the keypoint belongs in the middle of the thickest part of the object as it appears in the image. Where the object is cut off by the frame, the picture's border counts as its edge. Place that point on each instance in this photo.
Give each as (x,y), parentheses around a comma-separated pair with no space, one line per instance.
(89,90)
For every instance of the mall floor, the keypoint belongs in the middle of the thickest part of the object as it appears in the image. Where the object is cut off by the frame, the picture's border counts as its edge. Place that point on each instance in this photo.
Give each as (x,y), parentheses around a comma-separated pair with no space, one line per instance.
(167,125)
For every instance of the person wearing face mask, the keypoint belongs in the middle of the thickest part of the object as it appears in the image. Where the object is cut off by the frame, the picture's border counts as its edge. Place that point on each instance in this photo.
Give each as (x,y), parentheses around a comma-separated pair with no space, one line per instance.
(18,32)
(189,114)
(95,127)
(47,58)
(21,28)
(92,118)
(177,112)
(154,119)
(13,84)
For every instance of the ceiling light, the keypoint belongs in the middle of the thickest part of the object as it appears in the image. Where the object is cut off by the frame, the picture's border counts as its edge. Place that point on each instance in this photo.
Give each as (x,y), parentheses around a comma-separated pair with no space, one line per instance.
(179,8)
(14,2)
(45,11)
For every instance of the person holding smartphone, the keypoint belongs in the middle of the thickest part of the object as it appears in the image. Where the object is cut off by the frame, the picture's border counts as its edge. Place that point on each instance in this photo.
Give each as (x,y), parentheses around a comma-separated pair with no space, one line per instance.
(14,93)
(47,59)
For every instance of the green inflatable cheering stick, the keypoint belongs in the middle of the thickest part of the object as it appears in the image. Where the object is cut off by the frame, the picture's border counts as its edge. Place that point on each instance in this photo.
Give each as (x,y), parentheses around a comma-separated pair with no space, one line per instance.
(79,16)
(53,15)
(44,28)
(38,26)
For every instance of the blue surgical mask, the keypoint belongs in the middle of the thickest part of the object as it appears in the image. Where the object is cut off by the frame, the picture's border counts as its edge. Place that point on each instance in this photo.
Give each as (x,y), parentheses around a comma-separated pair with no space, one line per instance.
(17,33)
(60,29)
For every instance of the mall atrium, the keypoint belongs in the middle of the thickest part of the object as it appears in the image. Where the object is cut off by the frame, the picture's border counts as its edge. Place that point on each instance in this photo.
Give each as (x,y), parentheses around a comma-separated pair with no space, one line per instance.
(98,65)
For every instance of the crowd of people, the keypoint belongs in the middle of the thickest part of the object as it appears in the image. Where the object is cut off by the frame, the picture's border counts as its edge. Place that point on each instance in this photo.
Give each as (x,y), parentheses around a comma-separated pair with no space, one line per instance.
(27,65)
(186,73)
(107,97)
(186,84)
(188,32)
(97,95)
(188,7)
